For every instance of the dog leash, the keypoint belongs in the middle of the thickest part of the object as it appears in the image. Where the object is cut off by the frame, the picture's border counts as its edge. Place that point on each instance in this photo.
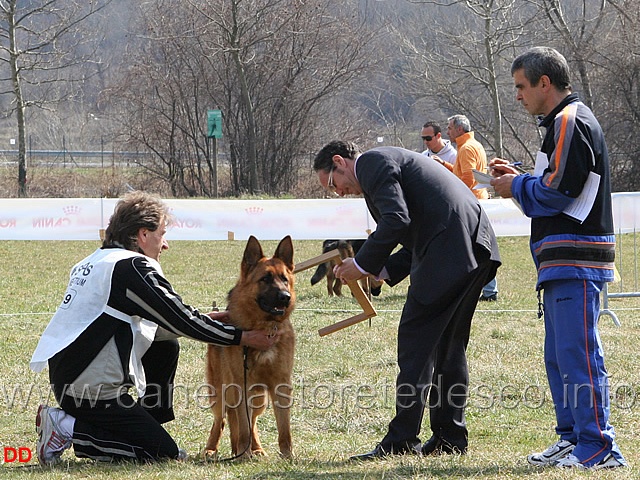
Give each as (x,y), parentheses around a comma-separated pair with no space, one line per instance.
(274,330)
(245,369)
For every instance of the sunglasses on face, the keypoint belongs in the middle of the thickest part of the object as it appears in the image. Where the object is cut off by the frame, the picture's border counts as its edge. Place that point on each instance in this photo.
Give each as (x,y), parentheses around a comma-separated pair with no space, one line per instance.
(427,138)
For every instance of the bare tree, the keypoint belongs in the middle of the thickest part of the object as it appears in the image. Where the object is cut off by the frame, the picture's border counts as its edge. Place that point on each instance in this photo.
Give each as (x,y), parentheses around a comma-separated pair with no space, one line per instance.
(615,74)
(284,58)
(600,40)
(460,62)
(38,43)
(580,25)
(270,66)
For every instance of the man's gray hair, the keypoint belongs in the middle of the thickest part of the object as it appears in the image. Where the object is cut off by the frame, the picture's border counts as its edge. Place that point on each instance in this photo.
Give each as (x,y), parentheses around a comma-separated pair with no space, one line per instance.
(460,121)
(539,61)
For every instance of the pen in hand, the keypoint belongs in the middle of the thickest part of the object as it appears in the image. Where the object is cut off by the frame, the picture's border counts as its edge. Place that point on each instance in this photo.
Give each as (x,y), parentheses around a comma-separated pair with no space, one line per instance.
(515,165)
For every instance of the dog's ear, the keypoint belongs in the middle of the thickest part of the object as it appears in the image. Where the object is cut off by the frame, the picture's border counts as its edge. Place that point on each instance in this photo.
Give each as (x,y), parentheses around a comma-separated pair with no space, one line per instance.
(285,251)
(252,255)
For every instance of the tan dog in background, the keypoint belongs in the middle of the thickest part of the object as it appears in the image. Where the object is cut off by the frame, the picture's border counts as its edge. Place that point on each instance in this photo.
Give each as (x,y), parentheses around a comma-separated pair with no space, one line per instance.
(262,299)
(347,248)
(334,286)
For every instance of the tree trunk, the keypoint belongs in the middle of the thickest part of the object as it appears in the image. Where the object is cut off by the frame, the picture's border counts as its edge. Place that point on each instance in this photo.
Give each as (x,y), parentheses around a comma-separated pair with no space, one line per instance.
(17,91)
(493,90)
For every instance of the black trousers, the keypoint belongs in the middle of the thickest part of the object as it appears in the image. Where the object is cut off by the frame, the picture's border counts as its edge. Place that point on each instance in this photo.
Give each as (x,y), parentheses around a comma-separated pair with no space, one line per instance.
(432,343)
(126,429)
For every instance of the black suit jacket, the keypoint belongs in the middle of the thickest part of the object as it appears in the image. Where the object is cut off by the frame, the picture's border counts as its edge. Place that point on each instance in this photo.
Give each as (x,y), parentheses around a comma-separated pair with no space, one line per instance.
(431,213)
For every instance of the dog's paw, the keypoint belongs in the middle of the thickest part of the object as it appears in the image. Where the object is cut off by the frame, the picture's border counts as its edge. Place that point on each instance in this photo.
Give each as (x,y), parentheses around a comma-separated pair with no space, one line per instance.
(210,455)
(286,454)
(259,452)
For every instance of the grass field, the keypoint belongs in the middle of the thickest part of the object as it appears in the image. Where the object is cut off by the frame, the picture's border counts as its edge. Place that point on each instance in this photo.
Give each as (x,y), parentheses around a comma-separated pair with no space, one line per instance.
(343,382)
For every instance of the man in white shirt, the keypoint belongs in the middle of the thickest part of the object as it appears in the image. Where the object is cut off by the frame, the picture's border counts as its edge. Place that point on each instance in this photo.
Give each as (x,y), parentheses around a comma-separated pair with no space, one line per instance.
(436,146)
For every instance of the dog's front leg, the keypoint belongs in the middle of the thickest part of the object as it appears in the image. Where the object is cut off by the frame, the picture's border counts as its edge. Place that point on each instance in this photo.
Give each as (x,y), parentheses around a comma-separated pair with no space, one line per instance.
(258,403)
(236,408)
(282,399)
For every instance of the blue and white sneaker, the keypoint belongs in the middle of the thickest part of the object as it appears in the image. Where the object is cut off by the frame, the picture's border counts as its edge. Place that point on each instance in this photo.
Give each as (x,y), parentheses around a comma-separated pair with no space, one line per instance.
(551,455)
(51,440)
(571,461)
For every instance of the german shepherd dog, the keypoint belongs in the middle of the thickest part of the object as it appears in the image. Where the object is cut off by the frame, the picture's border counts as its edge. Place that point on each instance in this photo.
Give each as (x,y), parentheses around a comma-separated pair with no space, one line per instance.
(347,248)
(334,286)
(240,378)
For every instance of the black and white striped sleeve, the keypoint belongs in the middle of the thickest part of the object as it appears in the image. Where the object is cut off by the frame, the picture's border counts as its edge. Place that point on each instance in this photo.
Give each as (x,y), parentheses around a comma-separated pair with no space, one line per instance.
(139,289)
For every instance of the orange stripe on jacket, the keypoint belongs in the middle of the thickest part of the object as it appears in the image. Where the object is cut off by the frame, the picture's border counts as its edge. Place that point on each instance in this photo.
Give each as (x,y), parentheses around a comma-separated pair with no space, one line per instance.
(560,144)
(579,242)
(577,265)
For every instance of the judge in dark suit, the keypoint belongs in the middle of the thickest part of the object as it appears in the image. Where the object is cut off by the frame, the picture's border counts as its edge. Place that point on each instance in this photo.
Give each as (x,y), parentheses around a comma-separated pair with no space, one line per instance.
(449,251)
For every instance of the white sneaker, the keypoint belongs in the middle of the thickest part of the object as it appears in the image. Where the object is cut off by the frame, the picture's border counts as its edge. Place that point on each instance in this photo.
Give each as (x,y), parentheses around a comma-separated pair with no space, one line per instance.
(51,440)
(551,455)
(571,461)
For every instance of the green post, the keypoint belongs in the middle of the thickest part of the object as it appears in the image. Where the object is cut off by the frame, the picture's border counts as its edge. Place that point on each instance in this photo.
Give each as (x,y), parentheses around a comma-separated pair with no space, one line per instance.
(214,131)
(214,124)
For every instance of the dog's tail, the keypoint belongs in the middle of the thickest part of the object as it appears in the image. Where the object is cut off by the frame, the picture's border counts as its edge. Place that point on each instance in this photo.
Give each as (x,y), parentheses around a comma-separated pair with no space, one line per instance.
(323,268)
(320,273)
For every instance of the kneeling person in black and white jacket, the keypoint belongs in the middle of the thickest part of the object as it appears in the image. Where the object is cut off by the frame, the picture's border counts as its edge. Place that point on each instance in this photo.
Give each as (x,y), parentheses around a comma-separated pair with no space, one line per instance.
(117,327)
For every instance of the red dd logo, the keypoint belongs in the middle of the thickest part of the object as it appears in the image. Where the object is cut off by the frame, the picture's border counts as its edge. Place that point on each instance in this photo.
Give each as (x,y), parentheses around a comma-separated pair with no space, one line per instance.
(20,454)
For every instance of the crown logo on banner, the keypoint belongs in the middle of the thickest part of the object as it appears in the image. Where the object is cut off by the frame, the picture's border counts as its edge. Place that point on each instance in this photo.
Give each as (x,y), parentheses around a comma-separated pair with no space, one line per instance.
(71,210)
(254,210)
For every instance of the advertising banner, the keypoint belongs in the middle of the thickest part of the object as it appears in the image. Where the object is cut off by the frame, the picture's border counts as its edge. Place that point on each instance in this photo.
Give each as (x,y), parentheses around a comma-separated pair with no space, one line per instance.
(305,219)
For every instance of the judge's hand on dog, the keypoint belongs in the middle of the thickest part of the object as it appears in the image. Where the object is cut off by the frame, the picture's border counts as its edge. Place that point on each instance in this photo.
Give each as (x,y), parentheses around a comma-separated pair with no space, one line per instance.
(347,271)
(258,339)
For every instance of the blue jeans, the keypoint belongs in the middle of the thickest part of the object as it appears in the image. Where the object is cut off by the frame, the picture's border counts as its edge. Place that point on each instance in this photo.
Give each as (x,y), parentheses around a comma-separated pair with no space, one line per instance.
(490,288)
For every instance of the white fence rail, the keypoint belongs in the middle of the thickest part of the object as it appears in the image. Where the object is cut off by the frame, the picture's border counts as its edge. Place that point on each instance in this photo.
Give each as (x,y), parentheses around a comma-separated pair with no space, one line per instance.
(626,215)
(85,218)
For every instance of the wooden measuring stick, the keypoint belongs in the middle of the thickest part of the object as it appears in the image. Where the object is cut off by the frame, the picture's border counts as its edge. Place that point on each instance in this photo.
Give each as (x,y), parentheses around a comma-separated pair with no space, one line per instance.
(343,324)
(367,308)
(312,262)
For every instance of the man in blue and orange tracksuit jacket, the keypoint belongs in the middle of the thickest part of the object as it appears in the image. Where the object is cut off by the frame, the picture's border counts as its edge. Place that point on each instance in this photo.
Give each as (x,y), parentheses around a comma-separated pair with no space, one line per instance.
(573,254)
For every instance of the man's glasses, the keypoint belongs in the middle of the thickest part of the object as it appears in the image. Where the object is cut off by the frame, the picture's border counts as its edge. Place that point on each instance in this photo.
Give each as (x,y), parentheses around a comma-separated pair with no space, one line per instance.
(330,186)
(427,138)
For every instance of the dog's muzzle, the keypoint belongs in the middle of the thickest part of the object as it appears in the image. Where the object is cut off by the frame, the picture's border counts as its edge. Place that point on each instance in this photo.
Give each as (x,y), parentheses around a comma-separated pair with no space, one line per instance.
(279,304)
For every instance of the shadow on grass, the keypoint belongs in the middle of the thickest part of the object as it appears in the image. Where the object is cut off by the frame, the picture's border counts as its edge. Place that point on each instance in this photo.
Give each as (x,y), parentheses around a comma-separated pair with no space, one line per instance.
(283,469)
(299,468)
(393,468)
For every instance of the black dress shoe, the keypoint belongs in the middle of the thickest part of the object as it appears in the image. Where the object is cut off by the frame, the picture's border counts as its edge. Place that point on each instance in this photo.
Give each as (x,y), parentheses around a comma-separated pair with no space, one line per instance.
(490,298)
(381,452)
(438,446)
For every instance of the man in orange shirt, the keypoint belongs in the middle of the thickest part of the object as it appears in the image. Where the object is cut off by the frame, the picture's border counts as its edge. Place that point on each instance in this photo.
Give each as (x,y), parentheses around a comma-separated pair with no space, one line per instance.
(471,154)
